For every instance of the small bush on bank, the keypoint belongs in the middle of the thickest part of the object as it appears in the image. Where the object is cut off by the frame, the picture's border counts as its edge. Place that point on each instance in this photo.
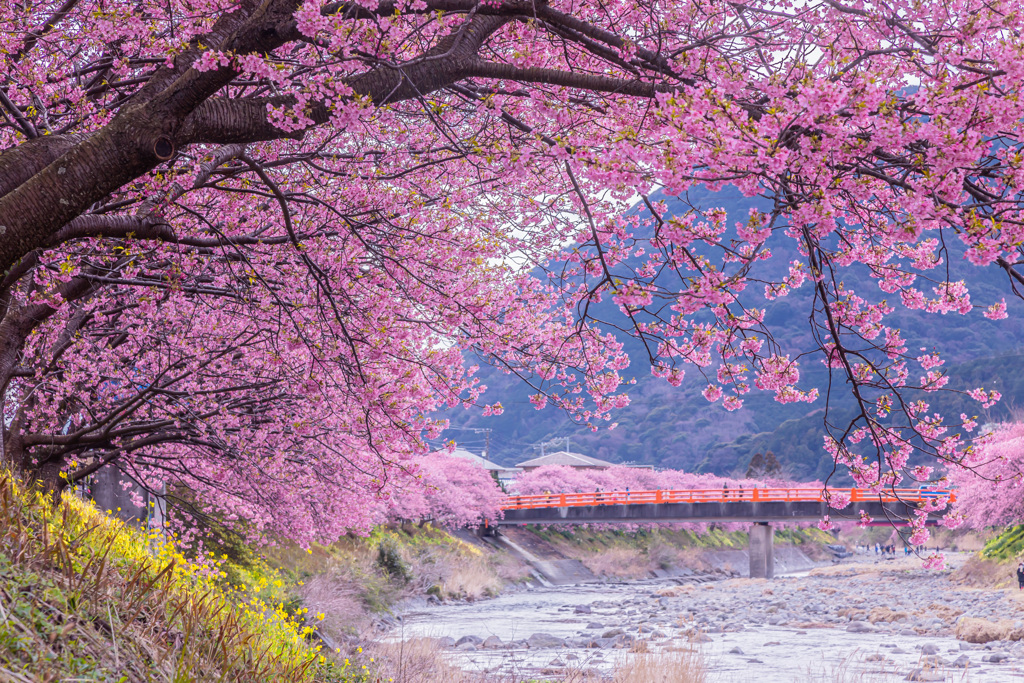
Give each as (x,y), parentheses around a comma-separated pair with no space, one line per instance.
(389,559)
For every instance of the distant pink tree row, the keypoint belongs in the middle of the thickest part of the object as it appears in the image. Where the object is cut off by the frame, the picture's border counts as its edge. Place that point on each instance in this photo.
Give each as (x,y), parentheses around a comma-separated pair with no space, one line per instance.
(991,492)
(446,490)
(560,479)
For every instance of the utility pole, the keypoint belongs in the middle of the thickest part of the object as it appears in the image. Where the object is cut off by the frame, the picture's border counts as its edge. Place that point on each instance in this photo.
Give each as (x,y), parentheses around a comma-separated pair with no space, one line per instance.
(553,442)
(486,431)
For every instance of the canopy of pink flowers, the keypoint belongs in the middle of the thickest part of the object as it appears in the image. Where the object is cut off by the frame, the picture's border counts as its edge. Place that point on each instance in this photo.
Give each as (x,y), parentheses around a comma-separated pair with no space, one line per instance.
(992,493)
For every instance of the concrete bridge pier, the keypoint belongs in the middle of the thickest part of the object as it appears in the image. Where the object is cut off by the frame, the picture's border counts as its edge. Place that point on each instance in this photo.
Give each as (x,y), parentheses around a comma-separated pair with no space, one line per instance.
(762,551)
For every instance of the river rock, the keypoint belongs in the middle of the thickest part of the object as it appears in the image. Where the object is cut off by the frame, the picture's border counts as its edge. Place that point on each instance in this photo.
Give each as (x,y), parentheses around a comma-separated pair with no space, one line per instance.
(446,641)
(611,633)
(582,609)
(922,675)
(543,640)
(929,649)
(861,627)
(595,625)
(475,640)
(492,643)
(962,662)
(996,657)
(466,647)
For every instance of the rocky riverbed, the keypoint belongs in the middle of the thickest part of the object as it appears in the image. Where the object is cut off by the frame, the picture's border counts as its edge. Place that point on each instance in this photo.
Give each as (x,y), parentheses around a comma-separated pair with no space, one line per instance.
(868,619)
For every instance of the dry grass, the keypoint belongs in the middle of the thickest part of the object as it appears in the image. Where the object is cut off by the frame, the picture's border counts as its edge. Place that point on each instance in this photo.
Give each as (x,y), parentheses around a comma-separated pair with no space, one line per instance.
(473,579)
(346,584)
(857,668)
(984,573)
(456,570)
(339,600)
(974,630)
(683,666)
(619,562)
(418,660)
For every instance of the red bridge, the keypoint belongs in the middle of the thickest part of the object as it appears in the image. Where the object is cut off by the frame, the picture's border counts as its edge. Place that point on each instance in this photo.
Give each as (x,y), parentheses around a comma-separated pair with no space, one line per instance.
(561,500)
(758,506)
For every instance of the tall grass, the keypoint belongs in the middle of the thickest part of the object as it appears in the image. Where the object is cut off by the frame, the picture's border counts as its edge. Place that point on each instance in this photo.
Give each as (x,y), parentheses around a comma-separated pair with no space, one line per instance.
(681,666)
(86,597)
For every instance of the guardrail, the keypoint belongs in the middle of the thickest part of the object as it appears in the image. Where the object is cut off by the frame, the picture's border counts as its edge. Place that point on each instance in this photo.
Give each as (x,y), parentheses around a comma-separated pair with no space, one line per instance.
(560,500)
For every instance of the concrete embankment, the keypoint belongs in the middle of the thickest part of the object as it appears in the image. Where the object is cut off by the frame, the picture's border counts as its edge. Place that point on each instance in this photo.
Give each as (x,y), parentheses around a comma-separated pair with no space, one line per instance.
(559,558)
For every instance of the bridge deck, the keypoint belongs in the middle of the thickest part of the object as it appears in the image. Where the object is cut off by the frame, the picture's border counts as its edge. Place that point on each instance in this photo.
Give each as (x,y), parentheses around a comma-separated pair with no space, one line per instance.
(719,505)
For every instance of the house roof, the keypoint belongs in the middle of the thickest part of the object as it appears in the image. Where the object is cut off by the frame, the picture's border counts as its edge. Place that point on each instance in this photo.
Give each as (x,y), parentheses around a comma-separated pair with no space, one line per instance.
(479,460)
(566,458)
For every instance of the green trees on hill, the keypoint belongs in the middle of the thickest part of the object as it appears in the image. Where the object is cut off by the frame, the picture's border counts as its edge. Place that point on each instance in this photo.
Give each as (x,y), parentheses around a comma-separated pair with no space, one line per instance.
(762,466)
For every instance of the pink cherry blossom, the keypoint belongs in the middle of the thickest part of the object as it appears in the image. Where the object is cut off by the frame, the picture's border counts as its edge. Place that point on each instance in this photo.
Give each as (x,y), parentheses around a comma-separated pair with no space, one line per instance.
(253,249)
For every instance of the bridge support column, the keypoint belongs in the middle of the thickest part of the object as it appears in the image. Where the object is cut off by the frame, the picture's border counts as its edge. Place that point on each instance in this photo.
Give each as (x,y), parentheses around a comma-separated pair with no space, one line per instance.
(762,551)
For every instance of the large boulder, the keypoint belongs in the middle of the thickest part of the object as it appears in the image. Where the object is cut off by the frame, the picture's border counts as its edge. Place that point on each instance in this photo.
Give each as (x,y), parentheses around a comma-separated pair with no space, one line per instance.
(539,641)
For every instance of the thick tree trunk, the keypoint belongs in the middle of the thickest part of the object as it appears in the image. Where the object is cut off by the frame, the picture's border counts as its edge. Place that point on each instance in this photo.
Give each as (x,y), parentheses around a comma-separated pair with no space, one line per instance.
(15,327)
(47,478)
(45,475)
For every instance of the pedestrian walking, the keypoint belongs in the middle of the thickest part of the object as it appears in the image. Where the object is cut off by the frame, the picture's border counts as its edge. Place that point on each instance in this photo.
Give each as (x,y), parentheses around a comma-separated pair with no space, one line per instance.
(1020,576)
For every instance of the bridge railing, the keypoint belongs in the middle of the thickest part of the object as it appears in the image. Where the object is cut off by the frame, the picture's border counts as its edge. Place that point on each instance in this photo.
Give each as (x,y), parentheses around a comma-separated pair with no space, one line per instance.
(553,500)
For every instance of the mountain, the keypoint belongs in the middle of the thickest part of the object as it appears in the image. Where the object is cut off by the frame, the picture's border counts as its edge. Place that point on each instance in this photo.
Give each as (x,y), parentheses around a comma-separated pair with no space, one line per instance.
(676,427)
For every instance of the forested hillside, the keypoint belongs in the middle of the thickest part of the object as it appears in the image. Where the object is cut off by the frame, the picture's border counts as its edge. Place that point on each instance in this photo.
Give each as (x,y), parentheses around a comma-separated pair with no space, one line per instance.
(676,427)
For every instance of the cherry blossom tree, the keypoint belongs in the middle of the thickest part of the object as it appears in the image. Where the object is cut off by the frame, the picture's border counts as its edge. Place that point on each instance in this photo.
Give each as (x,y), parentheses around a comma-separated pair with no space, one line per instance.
(449,491)
(250,245)
(990,490)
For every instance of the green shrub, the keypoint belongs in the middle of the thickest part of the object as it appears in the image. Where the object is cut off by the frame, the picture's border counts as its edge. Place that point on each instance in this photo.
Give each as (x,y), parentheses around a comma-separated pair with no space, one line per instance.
(389,559)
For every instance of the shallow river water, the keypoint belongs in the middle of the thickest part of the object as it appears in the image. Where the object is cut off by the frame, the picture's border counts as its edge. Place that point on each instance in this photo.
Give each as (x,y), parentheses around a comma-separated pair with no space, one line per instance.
(811,627)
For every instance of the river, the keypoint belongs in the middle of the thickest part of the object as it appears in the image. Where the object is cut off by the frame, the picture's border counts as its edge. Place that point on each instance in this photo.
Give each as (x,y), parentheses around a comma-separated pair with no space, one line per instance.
(866,620)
